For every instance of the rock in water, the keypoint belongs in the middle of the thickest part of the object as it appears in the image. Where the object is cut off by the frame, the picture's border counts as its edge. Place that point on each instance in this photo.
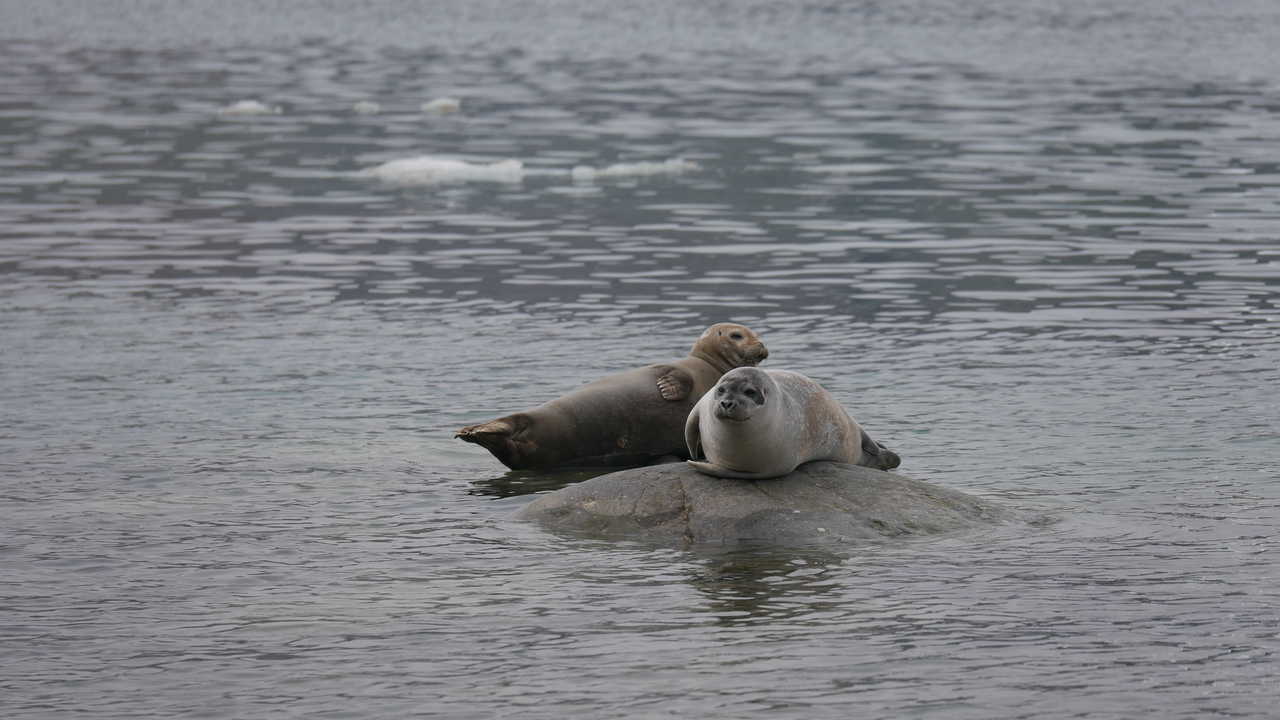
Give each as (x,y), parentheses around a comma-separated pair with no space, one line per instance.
(819,501)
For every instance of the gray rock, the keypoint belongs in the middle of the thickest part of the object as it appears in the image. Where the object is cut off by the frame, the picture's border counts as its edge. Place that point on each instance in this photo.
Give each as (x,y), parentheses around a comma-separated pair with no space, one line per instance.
(818,501)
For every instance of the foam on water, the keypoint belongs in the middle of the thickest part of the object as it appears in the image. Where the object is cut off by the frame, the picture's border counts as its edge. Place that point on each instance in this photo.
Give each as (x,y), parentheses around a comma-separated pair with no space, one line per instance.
(366,107)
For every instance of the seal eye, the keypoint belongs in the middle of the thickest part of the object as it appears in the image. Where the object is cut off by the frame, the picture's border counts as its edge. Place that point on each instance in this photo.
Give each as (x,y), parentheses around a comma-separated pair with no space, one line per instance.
(750,393)
(736,335)
(720,390)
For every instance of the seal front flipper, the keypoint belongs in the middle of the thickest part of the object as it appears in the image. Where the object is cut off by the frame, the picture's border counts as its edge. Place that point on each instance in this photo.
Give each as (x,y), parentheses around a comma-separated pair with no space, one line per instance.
(717,471)
(693,434)
(675,383)
(878,456)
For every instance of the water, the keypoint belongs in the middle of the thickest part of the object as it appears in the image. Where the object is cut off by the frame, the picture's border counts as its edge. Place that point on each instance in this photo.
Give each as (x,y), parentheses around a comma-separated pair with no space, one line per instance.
(1032,246)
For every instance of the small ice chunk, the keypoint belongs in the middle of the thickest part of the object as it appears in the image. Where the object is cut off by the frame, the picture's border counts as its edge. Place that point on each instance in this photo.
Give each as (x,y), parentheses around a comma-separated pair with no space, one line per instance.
(674,166)
(442,106)
(433,170)
(367,107)
(249,107)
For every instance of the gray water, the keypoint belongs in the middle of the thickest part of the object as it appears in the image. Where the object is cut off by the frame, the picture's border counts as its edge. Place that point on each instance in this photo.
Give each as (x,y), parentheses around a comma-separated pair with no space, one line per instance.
(1032,246)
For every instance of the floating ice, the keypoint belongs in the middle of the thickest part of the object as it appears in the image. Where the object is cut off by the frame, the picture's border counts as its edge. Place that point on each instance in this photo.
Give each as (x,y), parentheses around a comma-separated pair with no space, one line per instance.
(249,107)
(367,107)
(442,106)
(434,170)
(674,166)
(859,168)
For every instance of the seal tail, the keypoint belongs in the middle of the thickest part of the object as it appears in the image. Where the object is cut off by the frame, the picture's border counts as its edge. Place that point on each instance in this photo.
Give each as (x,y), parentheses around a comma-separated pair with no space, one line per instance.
(499,437)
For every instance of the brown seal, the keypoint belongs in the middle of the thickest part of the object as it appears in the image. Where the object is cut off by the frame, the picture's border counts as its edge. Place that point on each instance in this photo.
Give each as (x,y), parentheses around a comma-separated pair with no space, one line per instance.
(757,424)
(629,418)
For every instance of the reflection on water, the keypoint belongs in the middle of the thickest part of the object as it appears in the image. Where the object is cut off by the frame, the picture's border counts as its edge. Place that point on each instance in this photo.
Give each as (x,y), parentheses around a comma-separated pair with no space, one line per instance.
(762,584)
(513,483)
(1032,248)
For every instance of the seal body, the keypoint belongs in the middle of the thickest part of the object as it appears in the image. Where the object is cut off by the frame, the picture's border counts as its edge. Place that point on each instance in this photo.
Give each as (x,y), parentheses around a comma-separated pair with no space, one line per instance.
(630,418)
(758,424)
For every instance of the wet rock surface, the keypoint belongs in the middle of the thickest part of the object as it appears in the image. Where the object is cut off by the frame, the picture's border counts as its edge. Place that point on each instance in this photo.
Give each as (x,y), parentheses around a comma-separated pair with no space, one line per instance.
(674,503)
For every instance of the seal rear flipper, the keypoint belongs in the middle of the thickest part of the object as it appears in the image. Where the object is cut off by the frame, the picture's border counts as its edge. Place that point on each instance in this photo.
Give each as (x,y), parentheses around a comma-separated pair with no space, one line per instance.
(717,471)
(878,456)
(500,437)
(674,383)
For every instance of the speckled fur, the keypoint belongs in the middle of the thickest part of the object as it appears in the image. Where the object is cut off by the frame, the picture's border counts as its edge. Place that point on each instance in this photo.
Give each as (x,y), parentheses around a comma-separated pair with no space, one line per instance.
(789,420)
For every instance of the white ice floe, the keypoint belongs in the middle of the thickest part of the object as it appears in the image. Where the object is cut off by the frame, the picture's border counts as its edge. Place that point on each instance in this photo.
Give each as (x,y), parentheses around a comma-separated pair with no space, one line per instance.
(856,168)
(674,166)
(434,170)
(442,106)
(367,107)
(249,107)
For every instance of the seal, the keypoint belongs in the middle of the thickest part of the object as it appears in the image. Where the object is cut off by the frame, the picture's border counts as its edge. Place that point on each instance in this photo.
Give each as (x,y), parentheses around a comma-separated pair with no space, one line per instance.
(630,418)
(757,424)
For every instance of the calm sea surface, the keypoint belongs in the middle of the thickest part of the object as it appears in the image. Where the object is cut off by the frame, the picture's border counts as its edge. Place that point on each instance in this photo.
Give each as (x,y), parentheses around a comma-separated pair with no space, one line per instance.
(1033,246)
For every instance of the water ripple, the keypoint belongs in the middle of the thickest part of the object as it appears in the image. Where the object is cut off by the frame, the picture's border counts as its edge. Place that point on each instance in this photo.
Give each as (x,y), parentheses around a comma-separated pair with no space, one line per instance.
(236,345)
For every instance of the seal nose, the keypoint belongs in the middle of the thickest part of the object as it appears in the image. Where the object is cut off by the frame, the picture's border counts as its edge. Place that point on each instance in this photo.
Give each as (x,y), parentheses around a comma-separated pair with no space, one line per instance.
(726,404)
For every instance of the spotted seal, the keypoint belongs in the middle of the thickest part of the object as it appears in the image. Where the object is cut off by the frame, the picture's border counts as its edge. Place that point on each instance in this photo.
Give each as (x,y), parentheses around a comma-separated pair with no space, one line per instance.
(630,418)
(758,424)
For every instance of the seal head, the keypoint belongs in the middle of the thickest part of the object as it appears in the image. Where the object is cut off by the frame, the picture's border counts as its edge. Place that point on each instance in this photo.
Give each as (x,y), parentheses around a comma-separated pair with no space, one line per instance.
(740,395)
(726,346)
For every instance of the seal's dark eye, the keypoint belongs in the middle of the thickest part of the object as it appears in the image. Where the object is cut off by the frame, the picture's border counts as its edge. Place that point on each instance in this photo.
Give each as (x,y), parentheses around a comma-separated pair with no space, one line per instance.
(750,392)
(736,336)
(720,390)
